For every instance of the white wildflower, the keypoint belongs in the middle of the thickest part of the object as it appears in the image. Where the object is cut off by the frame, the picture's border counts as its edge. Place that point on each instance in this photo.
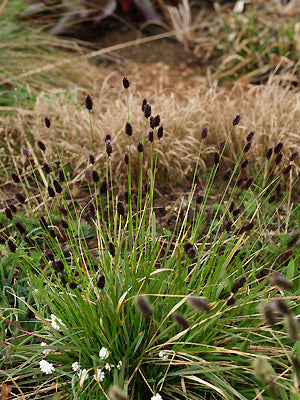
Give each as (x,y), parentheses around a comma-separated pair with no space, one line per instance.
(108,366)
(83,373)
(46,367)
(119,365)
(76,366)
(56,322)
(46,351)
(103,353)
(162,354)
(157,397)
(99,376)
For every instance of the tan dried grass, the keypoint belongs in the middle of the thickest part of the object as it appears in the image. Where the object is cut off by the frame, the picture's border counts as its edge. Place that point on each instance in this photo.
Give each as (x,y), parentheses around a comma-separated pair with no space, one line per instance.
(272,111)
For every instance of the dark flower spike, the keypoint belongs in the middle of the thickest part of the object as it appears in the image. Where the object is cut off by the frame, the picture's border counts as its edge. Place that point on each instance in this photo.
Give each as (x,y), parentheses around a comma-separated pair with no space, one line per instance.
(52,233)
(21,228)
(20,197)
(227,175)
(204,133)
(282,306)
(2,238)
(147,110)
(63,210)
(120,209)
(126,83)
(49,255)
(240,181)
(269,153)
(156,120)
(64,224)
(12,247)
(89,102)
(8,213)
(269,312)
(247,147)
(293,156)
(73,285)
(61,175)
(151,122)
(92,210)
(111,249)
(95,176)
(238,284)
(231,301)
(250,136)
(128,129)
(280,281)
(278,147)
(287,169)
(140,147)
(25,152)
(278,158)
(272,199)
(144,103)
(216,158)
(222,145)
(293,328)
(47,169)
(47,122)
(51,191)
(43,223)
(126,158)
(101,282)
(109,149)
(198,303)
(103,187)
(150,136)
(107,138)
(12,207)
(236,120)
(244,163)
(249,182)
(160,132)
(181,320)
(232,206)
(92,159)
(41,145)
(88,173)
(15,177)
(228,226)
(143,306)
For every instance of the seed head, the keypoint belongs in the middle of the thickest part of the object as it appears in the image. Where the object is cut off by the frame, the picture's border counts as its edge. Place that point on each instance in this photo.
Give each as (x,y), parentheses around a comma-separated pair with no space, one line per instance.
(12,247)
(89,102)
(239,283)
(231,301)
(216,158)
(92,159)
(144,103)
(47,169)
(240,181)
(43,223)
(204,133)
(128,129)
(126,158)
(111,249)
(222,145)
(262,369)
(103,187)
(160,132)
(120,209)
(269,153)
(143,306)
(156,121)
(92,210)
(236,120)
(21,228)
(250,136)
(107,138)
(272,198)
(151,122)
(150,136)
(126,83)
(115,393)
(12,207)
(61,175)
(47,122)
(63,210)
(294,155)
(227,175)
(73,285)
(236,212)
(20,197)
(51,191)
(2,238)
(280,281)
(101,282)
(41,145)
(287,169)
(88,173)
(8,213)
(228,226)
(140,147)
(282,306)
(147,110)
(49,255)
(181,320)
(52,233)
(95,176)
(64,223)
(278,147)
(293,329)
(15,177)
(249,182)
(244,163)
(109,149)
(198,303)
(25,152)
(247,147)
(278,158)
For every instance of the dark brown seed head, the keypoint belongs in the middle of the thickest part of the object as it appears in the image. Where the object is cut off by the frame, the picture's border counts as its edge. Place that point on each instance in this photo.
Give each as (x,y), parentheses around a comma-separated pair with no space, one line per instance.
(272,198)
(92,210)
(227,175)
(21,228)
(143,306)
(126,158)
(249,182)
(278,189)
(236,212)
(204,133)
(150,136)
(120,209)
(25,152)
(156,120)
(231,301)
(280,281)
(63,210)
(101,282)
(126,83)
(278,158)
(88,173)
(140,147)
(282,306)
(128,129)
(43,223)
(240,181)
(52,233)
(198,303)
(47,169)
(95,176)
(8,213)
(287,169)
(236,120)
(107,138)
(247,147)
(216,158)
(160,132)
(239,283)
(222,145)
(151,122)
(57,186)
(89,102)
(269,313)
(61,175)
(41,145)
(64,223)
(2,238)
(47,122)
(109,149)
(278,147)
(199,199)
(269,153)
(231,207)
(12,207)
(15,177)
(73,285)
(12,247)
(20,197)
(293,328)
(103,187)
(248,227)
(144,103)
(92,159)
(49,255)
(228,226)
(293,156)
(250,136)
(244,163)
(51,191)
(111,249)
(181,320)
(147,110)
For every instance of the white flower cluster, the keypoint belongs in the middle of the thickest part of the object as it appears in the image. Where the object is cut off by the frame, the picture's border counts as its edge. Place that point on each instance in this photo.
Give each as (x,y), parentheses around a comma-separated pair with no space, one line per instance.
(46,367)
(157,396)
(56,322)
(162,354)
(103,353)
(46,351)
